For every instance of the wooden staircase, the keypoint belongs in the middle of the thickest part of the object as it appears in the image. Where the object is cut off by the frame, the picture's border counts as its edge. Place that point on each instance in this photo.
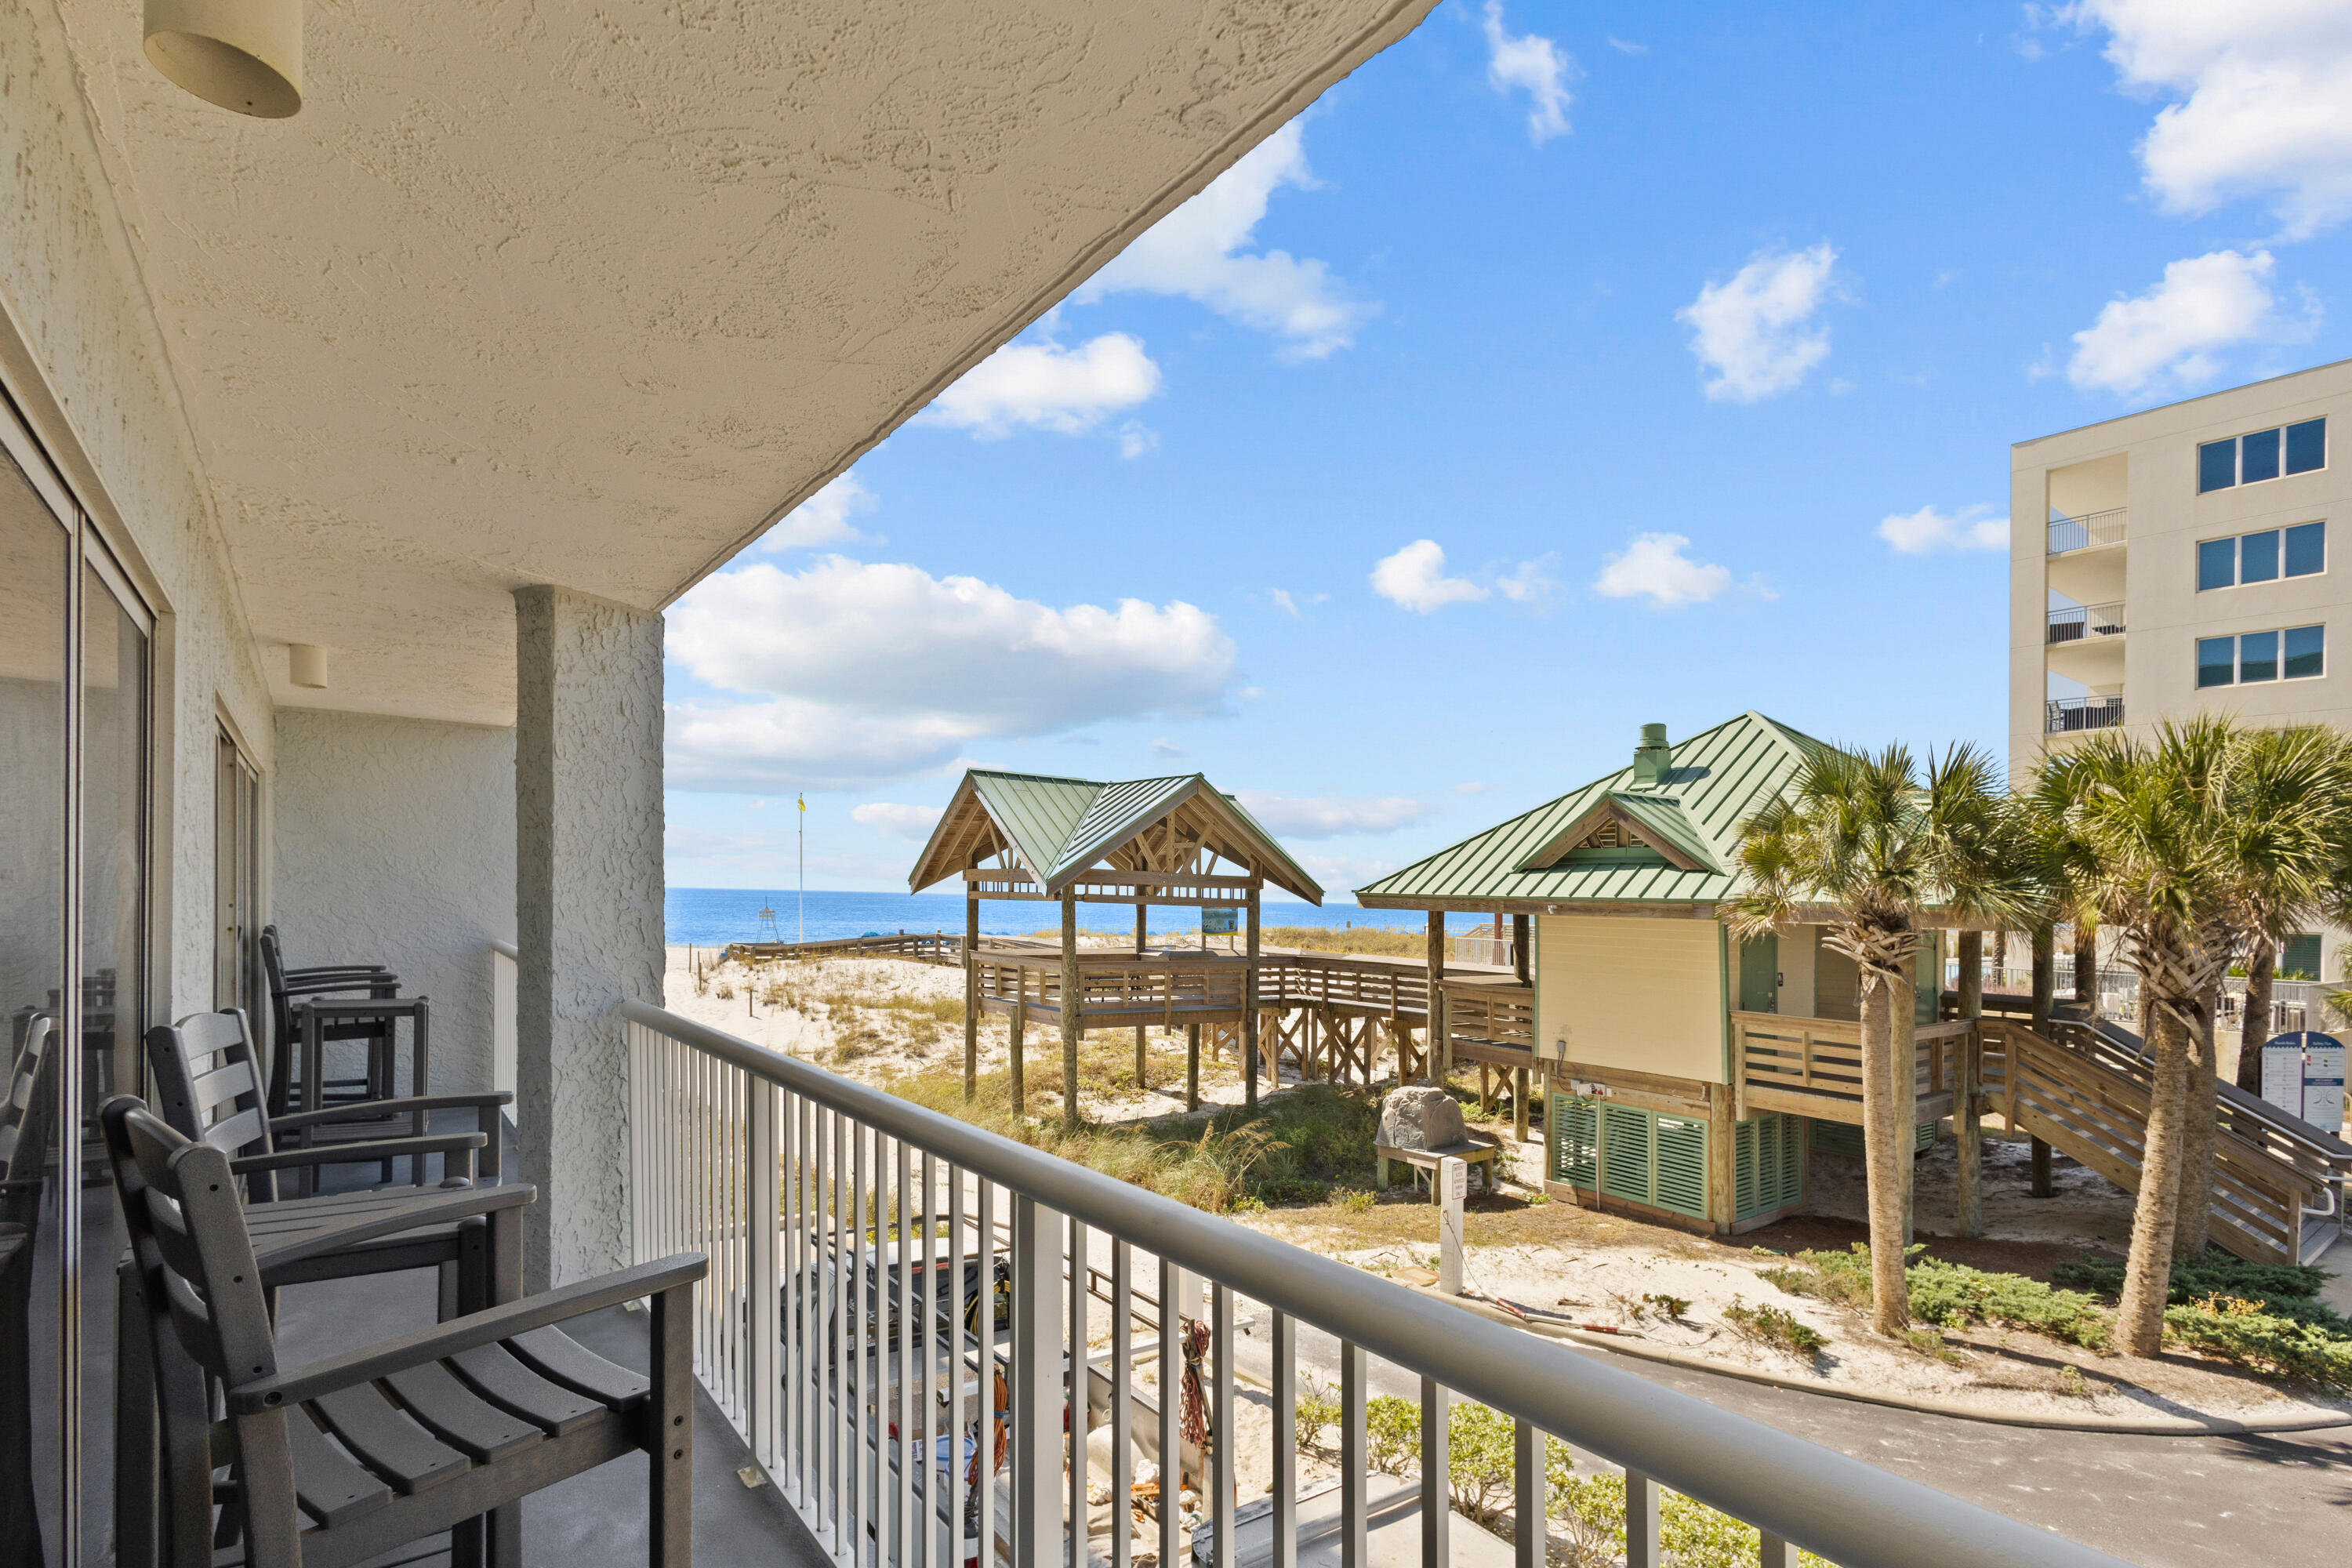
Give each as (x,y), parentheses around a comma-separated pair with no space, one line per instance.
(2087,1097)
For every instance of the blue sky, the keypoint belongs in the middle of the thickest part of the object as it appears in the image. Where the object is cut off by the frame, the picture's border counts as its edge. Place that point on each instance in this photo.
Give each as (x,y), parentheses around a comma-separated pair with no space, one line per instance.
(1562,370)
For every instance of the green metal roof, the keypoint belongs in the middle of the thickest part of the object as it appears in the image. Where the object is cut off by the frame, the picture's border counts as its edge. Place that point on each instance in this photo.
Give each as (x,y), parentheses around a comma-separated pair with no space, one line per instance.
(1714,782)
(1061,827)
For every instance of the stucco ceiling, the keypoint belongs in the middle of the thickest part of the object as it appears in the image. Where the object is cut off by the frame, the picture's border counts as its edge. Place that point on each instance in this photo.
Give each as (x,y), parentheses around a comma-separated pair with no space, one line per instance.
(590,293)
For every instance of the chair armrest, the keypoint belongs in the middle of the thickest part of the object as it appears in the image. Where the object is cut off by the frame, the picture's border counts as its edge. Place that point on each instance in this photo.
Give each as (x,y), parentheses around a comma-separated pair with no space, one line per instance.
(373,1110)
(483,1328)
(370,1152)
(327,986)
(335,971)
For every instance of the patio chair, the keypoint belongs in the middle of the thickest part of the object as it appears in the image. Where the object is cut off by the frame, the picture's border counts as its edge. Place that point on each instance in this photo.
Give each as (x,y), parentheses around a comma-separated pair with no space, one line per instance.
(208,1087)
(429,1431)
(288,990)
(24,1117)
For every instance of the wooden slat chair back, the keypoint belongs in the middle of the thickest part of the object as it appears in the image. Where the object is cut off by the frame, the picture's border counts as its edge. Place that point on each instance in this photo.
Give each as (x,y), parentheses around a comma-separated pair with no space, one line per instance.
(26,1118)
(208,1087)
(430,1431)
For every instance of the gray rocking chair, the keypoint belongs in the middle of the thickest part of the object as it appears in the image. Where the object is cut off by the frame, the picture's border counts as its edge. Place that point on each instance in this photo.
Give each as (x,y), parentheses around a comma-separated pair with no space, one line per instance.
(334,1463)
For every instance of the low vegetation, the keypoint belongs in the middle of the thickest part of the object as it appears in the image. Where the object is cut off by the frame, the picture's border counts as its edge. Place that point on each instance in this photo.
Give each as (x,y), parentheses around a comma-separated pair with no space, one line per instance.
(1775,1327)
(2264,1317)
(1349,939)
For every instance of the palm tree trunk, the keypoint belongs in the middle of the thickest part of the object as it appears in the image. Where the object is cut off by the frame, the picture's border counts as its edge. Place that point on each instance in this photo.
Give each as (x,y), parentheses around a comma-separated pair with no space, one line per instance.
(2086,965)
(1890,1311)
(2198,1130)
(2261,966)
(2147,1276)
(2045,975)
(1903,1053)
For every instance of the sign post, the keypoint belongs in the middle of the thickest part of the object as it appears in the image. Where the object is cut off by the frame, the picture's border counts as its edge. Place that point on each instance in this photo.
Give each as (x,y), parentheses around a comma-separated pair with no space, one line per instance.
(1453,1186)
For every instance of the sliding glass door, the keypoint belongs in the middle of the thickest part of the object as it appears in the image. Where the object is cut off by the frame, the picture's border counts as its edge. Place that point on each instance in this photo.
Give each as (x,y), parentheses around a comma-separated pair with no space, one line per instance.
(75,668)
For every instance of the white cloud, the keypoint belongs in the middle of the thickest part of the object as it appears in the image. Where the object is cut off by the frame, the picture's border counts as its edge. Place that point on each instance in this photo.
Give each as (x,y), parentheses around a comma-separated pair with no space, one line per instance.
(1927,530)
(1164,747)
(1627,47)
(1045,386)
(2263,102)
(1329,816)
(859,673)
(914,822)
(1414,578)
(824,517)
(1198,251)
(1654,567)
(1473,787)
(1535,65)
(1756,333)
(2172,333)
(1529,583)
(1284,602)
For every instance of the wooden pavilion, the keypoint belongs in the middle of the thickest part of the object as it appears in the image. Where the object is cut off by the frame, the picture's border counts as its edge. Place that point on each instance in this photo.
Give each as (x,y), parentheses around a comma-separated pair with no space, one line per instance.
(1144,842)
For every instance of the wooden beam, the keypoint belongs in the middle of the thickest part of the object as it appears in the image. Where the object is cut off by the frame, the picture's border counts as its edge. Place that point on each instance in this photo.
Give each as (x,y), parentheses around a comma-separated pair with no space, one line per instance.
(1020,1032)
(1249,1008)
(1192,1067)
(1967,1122)
(971,997)
(1434,952)
(1073,1007)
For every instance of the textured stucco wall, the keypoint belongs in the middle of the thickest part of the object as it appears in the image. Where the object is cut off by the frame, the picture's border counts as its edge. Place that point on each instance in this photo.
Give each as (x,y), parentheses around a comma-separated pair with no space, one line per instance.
(83,352)
(394,842)
(588,906)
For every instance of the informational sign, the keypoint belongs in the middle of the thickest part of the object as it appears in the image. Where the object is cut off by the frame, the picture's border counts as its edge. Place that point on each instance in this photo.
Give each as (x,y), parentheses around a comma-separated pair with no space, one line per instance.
(1587,1090)
(1219,922)
(2303,1074)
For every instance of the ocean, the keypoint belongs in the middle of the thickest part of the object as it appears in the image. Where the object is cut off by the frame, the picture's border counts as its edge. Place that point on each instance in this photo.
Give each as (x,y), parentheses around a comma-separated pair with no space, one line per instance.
(711,917)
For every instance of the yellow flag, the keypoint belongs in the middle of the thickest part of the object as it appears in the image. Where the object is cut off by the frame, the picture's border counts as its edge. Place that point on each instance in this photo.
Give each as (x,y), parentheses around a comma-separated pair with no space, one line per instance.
(802,801)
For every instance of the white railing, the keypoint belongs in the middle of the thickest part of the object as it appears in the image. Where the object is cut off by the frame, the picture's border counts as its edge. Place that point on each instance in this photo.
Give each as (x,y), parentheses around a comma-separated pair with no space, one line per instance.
(1500,952)
(863,1387)
(504,958)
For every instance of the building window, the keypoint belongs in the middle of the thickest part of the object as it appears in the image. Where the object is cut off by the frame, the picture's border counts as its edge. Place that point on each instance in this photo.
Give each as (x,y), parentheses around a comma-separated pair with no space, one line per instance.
(2298,653)
(2264,557)
(2261,454)
(2299,956)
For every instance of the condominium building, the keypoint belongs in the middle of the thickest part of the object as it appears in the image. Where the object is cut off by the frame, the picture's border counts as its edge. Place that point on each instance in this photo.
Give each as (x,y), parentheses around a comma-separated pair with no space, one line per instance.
(2176,562)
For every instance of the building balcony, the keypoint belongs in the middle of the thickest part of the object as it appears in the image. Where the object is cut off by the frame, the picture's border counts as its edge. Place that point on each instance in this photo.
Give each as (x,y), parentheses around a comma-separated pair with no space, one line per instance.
(2088,531)
(2084,643)
(2081,623)
(2066,715)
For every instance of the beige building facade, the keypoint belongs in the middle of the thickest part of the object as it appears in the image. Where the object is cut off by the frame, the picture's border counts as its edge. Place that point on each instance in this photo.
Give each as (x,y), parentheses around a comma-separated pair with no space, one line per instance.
(2183,559)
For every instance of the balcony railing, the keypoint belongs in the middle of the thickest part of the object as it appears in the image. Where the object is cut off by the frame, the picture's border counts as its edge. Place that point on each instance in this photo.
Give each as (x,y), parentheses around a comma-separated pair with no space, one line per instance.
(2093,528)
(860,1377)
(2064,715)
(2080,622)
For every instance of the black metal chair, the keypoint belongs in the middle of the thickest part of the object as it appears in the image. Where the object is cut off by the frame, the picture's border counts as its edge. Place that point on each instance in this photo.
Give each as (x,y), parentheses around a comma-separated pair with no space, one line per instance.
(339,1461)
(288,988)
(24,1121)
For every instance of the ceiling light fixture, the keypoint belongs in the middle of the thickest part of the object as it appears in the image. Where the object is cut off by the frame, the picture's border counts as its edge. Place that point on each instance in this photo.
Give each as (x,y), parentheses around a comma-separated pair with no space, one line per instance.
(243,55)
(306,666)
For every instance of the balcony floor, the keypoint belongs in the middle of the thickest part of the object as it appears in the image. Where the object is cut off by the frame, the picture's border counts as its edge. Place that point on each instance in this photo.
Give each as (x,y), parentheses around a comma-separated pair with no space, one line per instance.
(594,1521)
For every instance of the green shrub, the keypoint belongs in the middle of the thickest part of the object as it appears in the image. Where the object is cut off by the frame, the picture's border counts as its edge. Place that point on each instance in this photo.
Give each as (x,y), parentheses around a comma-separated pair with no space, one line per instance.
(1775,1327)
(2282,1347)
(2282,1290)
(1952,1295)
(1588,1516)
(1356,1200)
(1317,1406)
(1392,1435)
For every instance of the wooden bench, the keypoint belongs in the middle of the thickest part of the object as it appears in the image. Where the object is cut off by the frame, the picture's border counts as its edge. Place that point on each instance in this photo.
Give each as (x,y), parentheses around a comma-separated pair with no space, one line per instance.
(1478,1151)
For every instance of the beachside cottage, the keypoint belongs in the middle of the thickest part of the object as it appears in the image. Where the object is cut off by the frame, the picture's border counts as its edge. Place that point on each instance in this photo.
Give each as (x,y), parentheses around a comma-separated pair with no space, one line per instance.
(1686,1072)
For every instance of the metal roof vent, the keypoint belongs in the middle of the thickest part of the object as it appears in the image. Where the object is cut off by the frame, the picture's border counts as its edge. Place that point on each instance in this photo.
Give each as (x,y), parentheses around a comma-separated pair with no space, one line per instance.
(1650,756)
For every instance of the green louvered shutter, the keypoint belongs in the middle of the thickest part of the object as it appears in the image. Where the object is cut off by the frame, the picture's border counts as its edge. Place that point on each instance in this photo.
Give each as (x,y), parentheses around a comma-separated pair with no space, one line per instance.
(1792,1158)
(1625,1153)
(1576,1131)
(1747,1170)
(1682,1166)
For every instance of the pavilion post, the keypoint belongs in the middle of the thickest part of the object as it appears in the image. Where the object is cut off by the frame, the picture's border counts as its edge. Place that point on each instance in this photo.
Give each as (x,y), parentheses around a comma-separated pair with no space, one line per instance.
(1249,1006)
(970,994)
(1192,1067)
(1073,997)
(1142,916)
(1966,1121)
(1519,947)
(1432,1033)
(1020,1032)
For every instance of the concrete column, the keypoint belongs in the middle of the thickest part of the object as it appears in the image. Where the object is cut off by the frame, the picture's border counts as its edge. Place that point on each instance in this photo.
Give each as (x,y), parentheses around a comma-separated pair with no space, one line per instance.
(588,908)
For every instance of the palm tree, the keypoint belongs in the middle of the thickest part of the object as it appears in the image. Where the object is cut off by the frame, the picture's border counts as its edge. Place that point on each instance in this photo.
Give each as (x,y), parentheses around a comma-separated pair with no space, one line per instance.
(2184,843)
(1881,846)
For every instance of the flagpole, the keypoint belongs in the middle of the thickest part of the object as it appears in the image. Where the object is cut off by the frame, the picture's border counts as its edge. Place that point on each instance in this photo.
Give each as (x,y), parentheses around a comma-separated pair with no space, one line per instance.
(803,801)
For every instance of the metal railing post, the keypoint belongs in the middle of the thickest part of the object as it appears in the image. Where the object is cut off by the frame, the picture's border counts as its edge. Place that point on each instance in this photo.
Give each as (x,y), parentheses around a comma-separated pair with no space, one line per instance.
(1527,1484)
(1224,1427)
(764,1212)
(1436,1508)
(1641,1521)
(1355,1456)
(1171,1397)
(1036,1382)
(1286,1442)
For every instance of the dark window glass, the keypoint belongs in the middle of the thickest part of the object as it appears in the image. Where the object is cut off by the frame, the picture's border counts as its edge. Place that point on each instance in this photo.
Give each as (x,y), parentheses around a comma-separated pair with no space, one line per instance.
(2217,563)
(34,1202)
(2258,656)
(2306,652)
(2299,958)
(2306,549)
(2217,465)
(2306,445)
(2217,661)
(2262,457)
(2258,557)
